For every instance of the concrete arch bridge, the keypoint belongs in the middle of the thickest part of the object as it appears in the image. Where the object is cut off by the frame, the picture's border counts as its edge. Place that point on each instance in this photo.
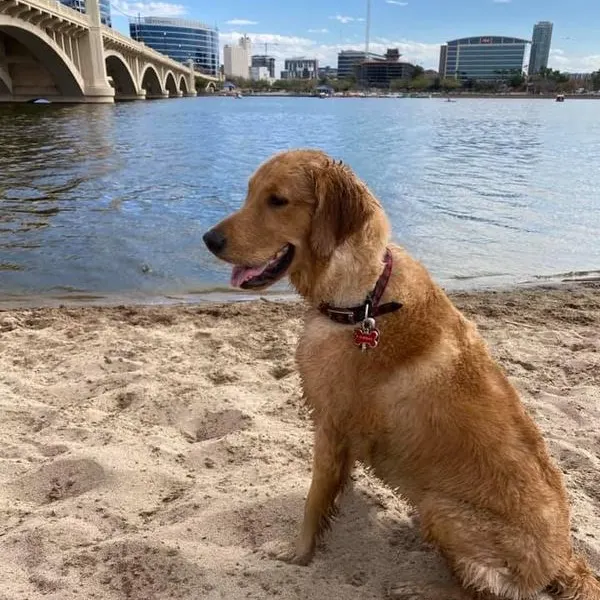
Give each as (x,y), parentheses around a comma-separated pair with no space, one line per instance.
(48,50)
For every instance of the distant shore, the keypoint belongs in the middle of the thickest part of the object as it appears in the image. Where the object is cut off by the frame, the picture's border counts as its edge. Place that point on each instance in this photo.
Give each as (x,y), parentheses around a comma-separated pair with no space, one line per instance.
(408,95)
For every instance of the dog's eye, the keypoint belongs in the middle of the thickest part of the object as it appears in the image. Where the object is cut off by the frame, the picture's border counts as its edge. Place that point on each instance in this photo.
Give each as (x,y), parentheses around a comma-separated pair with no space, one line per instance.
(277,201)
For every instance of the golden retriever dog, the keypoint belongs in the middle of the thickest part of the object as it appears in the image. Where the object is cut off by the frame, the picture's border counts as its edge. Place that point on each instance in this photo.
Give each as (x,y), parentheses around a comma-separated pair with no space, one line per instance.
(398,379)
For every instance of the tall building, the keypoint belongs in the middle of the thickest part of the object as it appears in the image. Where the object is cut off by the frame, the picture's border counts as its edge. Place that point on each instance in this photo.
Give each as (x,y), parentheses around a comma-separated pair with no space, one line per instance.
(540,47)
(484,58)
(349,61)
(260,74)
(262,60)
(328,72)
(301,68)
(443,58)
(236,59)
(79,5)
(180,39)
(381,73)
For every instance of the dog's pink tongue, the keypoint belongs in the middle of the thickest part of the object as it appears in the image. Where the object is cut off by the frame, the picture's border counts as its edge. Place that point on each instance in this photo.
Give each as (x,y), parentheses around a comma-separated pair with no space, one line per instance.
(241,274)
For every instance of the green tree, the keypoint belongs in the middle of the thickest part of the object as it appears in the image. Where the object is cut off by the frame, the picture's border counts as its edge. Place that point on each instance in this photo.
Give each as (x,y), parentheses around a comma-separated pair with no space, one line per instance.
(516,79)
(419,84)
(398,85)
(418,72)
(345,84)
(595,80)
(449,84)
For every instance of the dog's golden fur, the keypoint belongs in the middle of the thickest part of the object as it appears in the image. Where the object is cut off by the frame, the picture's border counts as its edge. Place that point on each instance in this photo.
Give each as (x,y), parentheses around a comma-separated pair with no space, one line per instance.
(428,410)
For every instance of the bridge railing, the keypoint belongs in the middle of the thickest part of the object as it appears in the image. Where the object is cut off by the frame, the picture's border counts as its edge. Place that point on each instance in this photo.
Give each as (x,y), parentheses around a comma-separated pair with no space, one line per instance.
(58,9)
(109,32)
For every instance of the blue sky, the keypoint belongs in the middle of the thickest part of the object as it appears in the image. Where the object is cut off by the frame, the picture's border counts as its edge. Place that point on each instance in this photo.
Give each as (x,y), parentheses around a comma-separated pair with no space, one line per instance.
(319,28)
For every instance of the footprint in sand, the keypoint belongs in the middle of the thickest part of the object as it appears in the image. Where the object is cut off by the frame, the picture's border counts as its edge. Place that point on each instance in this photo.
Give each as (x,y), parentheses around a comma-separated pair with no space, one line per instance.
(59,480)
(214,425)
(140,571)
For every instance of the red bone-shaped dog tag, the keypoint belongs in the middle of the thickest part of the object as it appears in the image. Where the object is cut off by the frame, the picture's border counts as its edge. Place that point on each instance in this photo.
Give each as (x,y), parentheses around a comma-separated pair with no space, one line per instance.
(365,339)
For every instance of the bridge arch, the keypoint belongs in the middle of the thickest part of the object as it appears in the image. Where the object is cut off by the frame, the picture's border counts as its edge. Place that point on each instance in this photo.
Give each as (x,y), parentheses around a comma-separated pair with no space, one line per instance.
(183,85)
(119,70)
(63,75)
(5,82)
(151,83)
(170,84)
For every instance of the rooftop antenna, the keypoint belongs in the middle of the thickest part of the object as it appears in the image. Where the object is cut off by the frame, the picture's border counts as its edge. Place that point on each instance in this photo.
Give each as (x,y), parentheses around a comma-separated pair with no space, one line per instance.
(368,28)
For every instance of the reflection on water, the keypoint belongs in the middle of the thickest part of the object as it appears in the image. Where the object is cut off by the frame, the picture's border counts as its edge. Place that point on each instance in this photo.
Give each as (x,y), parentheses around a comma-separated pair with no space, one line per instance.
(101,200)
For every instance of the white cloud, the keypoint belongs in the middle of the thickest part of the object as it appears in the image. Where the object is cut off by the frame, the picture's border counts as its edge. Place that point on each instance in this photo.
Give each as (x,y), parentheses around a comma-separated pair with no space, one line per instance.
(396,2)
(149,9)
(318,30)
(345,20)
(241,22)
(282,47)
(562,61)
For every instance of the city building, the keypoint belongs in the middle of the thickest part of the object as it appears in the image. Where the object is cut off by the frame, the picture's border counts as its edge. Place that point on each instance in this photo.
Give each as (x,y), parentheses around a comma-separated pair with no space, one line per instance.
(79,5)
(236,59)
(540,47)
(301,68)
(349,61)
(381,73)
(262,60)
(328,72)
(443,59)
(583,77)
(260,74)
(180,39)
(482,58)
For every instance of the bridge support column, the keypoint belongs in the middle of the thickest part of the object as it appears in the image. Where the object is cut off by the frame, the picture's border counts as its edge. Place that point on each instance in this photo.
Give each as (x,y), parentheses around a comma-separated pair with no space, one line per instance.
(191,80)
(93,67)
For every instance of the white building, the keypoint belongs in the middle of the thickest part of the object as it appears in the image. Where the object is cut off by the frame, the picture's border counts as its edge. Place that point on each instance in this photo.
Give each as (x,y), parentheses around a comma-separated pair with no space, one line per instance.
(236,59)
(301,68)
(260,74)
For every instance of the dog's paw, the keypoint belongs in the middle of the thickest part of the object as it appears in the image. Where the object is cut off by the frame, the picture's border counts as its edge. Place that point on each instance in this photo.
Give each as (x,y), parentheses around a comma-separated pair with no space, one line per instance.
(287,552)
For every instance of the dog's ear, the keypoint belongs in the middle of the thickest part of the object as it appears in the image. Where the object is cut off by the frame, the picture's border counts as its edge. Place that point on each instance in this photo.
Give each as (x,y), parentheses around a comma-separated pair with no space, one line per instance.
(342,207)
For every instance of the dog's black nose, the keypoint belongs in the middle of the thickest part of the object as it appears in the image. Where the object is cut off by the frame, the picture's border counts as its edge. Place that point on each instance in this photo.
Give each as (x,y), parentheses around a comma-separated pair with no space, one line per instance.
(215,241)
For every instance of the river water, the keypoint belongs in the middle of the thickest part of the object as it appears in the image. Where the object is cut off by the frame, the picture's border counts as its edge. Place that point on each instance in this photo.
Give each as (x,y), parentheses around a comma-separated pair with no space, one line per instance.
(105,202)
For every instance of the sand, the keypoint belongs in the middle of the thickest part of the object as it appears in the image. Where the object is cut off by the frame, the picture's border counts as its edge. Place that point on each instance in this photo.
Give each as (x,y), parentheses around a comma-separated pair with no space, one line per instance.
(159,452)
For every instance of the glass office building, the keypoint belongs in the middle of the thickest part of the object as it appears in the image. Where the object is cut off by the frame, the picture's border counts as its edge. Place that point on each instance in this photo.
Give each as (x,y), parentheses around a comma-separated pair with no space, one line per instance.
(180,39)
(484,58)
(540,47)
(348,61)
(104,9)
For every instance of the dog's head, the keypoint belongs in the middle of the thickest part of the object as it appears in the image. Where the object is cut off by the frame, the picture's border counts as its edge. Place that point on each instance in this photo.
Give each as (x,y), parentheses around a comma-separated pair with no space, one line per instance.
(301,205)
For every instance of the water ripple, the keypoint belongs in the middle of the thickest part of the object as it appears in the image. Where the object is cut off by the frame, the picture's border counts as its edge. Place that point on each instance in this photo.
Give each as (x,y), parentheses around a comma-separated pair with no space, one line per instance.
(97,200)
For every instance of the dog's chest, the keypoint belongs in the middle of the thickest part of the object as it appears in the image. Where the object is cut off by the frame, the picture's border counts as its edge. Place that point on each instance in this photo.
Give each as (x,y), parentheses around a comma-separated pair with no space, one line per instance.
(339,382)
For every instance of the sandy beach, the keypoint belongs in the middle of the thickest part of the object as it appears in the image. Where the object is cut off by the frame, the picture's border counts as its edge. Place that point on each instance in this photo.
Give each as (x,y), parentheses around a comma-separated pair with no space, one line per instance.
(158,452)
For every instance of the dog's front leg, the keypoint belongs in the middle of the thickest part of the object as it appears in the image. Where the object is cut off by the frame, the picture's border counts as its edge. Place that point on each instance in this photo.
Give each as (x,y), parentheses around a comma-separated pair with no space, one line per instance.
(332,463)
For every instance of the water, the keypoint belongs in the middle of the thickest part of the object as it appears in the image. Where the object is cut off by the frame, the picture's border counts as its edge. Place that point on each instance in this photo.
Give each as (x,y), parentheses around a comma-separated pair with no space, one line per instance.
(112,201)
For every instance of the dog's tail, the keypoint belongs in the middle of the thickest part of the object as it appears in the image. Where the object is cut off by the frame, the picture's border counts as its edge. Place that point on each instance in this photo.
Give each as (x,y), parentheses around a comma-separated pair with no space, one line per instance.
(575,582)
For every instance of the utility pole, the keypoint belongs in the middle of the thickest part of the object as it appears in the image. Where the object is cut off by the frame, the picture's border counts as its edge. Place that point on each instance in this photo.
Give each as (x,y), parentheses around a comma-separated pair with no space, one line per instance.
(368,32)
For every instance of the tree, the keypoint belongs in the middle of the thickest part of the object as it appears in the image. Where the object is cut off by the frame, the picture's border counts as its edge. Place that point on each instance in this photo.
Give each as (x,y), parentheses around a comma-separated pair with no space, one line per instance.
(418,72)
(595,80)
(345,84)
(450,84)
(296,86)
(516,79)
(397,85)
(419,84)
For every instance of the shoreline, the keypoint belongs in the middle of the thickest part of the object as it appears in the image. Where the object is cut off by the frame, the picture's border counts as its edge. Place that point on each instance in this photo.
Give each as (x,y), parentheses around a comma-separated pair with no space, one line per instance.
(226,295)
(155,452)
(413,96)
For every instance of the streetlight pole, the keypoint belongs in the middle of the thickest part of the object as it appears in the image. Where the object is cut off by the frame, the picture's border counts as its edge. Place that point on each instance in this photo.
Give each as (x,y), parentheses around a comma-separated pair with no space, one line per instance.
(368,31)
